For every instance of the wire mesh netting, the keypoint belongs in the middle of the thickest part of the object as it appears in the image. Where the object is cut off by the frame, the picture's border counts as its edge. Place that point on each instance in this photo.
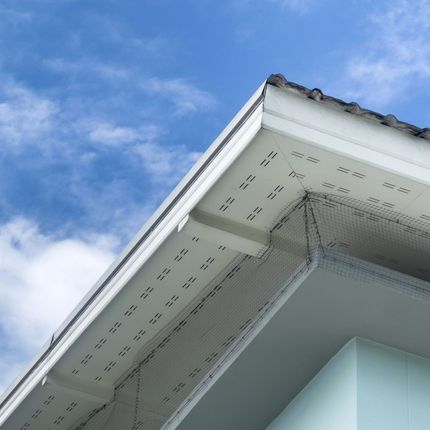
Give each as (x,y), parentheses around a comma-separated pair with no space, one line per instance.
(315,230)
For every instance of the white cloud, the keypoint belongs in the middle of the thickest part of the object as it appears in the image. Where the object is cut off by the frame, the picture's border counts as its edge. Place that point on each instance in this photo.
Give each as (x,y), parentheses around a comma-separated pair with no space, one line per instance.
(109,134)
(166,164)
(24,116)
(41,280)
(397,55)
(186,97)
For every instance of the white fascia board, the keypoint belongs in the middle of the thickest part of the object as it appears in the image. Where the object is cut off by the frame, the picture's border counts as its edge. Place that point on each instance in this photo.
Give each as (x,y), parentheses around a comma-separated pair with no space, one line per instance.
(216,160)
(325,126)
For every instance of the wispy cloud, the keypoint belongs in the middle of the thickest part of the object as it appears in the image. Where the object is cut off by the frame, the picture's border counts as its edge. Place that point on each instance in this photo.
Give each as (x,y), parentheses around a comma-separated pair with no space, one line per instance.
(41,280)
(166,164)
(186,98)
(24,115)
(396,55)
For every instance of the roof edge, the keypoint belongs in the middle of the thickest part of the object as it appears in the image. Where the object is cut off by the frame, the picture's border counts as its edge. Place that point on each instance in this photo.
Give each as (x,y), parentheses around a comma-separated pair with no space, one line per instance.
(278,80)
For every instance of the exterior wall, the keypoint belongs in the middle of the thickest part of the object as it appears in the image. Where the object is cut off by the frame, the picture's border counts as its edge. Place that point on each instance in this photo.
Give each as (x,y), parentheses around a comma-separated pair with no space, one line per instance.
(393,388)
(365,386)
(329,401)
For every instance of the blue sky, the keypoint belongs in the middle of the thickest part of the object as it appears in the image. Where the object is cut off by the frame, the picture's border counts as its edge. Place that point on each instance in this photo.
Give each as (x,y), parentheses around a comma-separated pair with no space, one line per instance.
(105,104)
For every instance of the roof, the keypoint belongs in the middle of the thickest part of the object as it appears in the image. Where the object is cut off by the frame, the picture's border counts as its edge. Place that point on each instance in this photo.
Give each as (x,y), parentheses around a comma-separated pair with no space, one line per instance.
(279,80)
(192,289)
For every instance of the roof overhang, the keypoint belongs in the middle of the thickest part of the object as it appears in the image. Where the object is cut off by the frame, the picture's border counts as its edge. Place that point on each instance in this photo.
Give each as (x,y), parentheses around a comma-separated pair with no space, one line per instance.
(179,303)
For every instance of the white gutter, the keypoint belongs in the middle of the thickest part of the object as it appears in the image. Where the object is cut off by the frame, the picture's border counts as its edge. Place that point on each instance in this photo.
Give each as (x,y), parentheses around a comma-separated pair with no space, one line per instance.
(220,155)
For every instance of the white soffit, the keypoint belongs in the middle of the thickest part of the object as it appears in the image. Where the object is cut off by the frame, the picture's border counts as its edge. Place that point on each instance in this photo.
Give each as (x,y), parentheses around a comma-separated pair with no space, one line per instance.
(225,209)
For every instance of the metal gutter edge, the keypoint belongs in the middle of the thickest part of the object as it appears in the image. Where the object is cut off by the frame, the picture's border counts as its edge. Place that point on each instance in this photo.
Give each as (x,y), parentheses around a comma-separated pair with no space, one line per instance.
(137,243)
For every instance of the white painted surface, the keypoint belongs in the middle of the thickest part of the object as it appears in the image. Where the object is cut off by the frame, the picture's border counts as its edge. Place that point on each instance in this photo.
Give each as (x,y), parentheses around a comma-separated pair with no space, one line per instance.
(329,401)
(365,386)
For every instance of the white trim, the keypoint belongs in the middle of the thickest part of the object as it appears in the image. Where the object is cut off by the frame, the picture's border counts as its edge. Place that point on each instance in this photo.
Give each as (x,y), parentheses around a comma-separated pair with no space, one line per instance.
(213,171)
(329,128)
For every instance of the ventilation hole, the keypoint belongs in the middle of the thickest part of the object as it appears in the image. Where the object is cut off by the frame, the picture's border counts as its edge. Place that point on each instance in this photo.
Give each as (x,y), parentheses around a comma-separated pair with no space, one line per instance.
(100,343)
(86,359)
(181,254)
(59,420)
(198,308)
(138,425)
(425,217)
(313,160)
(98,378)
(358,175)
(163,273)
(329,205)
(146,293)
(115,327)
(195,239)
(165,399)
(299,175)
(222,248)
(36,413)
(180,326)
(281,223)
(275,192)
(179,387)
(244,185)
(190,281)
(373,200)
(331,244)
(155,318)
(165,341)
(254,213)
(110,366)
(403,190)
(328,185)
(75,371)
(211,357)
(232,272)
(343,169)
(124,351)
(229,341)
(195,372)
(388,185)
(297,154)
(171,301)
(358,213)
(130,310)
(373,218)
(25,426)
(226,204)
(207,263)
(344,190)
(71,406)
(269,157)
(139,335)
(343,244)
(245,325)
(49,400)
(387,205)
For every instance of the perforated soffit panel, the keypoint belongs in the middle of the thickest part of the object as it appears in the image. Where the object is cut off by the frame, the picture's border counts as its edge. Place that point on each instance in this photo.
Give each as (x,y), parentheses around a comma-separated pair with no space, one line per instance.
(164,317)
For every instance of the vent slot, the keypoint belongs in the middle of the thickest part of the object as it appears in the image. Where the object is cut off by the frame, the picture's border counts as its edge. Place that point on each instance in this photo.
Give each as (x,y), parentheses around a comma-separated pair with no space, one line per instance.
(146,293)
(190,281)
(254,213)
(226,204)
(268,159)
(244,185)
